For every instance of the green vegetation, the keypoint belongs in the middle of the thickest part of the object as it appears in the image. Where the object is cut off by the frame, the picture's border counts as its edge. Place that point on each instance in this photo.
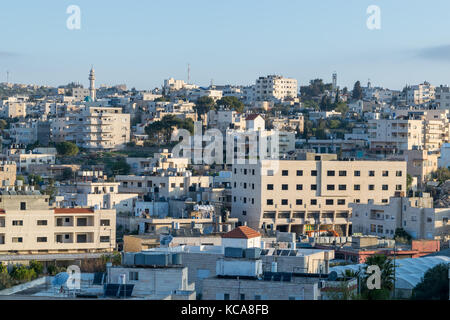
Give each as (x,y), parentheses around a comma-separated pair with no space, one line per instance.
(441,175)
(204,104)
(231,103)
(434,285)
(161,131)
(357,91)
(402,236)
(67,149)
(315,88)
(387,278)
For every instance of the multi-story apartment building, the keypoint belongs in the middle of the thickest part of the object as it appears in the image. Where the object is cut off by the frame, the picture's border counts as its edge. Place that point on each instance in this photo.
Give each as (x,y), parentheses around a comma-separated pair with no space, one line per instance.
(28,225)
(415,215)
(301,196)
(416,130)
(25,160)
(274,87)
(419,94)
(95,128)
(443,97)
(30,132)
(102,195)
(166,184)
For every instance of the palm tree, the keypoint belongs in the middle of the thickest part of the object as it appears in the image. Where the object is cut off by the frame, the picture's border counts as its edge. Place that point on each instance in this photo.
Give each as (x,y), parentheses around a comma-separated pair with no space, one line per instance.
(387,277)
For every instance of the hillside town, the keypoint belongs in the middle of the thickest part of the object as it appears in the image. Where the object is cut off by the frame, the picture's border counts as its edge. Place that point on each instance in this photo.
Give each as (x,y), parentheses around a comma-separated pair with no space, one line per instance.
(304,187)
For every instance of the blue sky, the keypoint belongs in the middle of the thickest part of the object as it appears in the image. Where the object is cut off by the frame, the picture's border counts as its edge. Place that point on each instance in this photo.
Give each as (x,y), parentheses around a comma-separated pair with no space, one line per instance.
(140,43)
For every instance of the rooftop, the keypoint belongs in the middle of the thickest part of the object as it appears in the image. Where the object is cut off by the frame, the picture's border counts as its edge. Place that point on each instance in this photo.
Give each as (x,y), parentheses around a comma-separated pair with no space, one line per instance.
(242,232)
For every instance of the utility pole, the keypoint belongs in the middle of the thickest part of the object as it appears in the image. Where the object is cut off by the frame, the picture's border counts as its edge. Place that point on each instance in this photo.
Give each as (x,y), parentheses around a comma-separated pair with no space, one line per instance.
(189,74)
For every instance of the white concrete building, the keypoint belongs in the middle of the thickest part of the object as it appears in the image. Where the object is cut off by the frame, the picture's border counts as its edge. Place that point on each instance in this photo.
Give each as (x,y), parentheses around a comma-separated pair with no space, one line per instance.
(415,215)
(274,87)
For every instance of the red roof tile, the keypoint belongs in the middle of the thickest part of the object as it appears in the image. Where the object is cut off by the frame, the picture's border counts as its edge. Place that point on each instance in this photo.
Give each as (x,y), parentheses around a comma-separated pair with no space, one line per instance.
(73,210)
(242,232)
(252,117)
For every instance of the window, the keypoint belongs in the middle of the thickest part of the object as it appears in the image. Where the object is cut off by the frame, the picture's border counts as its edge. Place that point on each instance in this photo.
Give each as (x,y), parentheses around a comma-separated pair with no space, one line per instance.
(330,173)
(357,173)
(398,173)
(270,173)
(385,173)
(17,239)
(134,276)
(357,187)
(371,173)
(313,202)
(299,202)
(226,296)
(398,187)
(330,187)
(270,202)
(244,213)
(270,187)
(17,223)
(41,239)
(285,173)
(104,238)
(314,173)
(299,173)
(341,202)
(329,202)
(42,222)
(342,173)
(257,297)
(284,187)
(314,187)
(371,187)
(23,206)
(104,223)
(242,297)
(299,187)
(385,187)
(245,171)
(284,202)
(342,187)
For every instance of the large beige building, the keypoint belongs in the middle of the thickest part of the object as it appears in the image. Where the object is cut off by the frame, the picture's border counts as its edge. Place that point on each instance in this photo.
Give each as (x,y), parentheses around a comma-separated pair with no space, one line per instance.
(420,131)
(275,87)
(28,225)
(419,94)
(7,173)
(94,128)
(415,215)
(301,196)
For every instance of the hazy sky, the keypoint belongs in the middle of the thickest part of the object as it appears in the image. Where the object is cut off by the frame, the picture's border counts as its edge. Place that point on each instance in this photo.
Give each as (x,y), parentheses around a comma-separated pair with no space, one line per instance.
(141,43)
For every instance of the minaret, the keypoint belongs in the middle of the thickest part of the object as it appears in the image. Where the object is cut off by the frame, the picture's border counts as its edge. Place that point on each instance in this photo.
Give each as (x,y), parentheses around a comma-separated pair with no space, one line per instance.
(92,83)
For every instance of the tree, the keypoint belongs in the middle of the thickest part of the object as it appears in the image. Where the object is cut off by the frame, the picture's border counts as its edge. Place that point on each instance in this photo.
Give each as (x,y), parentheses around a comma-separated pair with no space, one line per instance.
(434,284)
(67,174)
(37,266)
(232,103)
(357,91)
(120,167)
(67,149)
(409,180)
(325,103)
(441,174)
(164,128)
(387,278)
(204,104)
(402,236)
(341,107)
(311,104)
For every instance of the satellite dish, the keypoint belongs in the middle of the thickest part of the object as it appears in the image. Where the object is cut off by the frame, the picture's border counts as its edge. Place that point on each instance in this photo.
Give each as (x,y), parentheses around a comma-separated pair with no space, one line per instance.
(60,279)
(333,276)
